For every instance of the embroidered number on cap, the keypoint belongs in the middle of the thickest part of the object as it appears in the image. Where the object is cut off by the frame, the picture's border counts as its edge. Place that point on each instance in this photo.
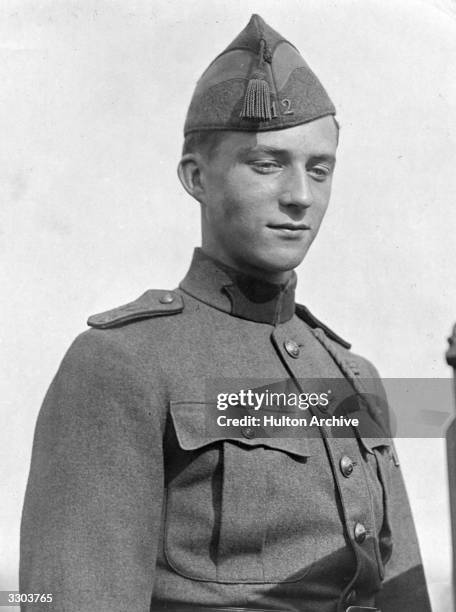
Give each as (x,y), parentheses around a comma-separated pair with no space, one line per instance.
(286,103)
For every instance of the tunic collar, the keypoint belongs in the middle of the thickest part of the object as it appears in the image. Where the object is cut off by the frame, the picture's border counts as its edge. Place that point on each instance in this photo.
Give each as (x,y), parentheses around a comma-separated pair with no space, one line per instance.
(240,295)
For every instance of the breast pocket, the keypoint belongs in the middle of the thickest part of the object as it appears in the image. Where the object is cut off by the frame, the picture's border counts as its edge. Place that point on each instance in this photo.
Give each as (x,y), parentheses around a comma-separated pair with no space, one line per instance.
(234,508)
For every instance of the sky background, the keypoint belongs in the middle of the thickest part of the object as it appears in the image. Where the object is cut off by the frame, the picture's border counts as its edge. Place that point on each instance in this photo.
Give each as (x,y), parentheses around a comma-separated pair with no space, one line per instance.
(93,101)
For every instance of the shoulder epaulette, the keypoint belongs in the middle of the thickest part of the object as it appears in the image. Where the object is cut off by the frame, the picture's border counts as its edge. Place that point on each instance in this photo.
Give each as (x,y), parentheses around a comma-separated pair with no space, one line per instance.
(305,314)
(153,303)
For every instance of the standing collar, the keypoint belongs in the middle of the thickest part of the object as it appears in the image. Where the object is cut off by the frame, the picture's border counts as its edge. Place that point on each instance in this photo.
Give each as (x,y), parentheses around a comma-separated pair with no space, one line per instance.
(236,293)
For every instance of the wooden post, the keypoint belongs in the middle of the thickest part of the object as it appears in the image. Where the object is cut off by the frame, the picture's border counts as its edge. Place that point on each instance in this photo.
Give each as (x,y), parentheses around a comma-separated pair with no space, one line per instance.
(451,456)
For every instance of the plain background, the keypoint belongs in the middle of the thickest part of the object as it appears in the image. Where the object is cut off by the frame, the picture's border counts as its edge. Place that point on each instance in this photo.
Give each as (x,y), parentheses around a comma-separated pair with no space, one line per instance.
(93,98)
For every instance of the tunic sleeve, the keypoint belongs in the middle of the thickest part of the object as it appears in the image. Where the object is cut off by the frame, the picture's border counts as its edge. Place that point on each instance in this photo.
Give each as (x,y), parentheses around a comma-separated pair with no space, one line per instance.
(93,503)
(404,584)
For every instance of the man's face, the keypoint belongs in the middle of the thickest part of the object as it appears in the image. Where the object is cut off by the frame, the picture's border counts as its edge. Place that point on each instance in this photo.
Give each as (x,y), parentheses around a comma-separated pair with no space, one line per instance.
(265,194)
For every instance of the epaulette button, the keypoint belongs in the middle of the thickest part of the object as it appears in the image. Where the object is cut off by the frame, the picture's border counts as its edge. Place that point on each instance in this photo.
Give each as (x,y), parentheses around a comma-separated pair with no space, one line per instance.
(167,298)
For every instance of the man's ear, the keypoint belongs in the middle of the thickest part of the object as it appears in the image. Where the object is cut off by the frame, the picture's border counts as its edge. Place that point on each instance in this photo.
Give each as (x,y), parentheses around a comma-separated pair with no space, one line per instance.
(189,173)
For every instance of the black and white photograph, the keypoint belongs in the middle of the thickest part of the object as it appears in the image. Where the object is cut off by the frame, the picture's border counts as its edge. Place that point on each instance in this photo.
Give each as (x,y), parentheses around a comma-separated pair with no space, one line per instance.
(228,246)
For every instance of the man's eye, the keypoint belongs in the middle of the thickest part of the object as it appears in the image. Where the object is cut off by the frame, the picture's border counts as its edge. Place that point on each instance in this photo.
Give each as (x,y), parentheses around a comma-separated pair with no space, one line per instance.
(266,166)
(320,172)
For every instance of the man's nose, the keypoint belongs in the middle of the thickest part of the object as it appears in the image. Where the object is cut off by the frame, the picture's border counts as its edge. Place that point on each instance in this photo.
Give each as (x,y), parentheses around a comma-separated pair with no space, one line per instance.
(297,191)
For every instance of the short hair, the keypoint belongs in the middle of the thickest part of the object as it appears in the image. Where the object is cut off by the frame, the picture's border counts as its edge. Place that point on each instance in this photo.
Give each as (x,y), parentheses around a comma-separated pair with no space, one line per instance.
(207,141)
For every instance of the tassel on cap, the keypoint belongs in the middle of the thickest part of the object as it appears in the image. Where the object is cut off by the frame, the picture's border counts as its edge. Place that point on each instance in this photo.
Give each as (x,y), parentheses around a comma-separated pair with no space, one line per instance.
(257,101)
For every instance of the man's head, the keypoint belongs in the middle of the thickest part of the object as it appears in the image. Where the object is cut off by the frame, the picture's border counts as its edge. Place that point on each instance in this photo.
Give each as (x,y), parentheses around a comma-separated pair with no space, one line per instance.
(259,154)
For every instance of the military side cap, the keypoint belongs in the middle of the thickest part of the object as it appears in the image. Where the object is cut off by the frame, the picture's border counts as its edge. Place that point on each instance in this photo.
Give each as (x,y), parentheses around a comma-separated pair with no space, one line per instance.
(259,82)
(152,303)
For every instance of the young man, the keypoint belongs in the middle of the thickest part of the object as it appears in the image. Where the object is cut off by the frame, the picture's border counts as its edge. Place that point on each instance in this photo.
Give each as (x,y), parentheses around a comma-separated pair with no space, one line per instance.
(134,502)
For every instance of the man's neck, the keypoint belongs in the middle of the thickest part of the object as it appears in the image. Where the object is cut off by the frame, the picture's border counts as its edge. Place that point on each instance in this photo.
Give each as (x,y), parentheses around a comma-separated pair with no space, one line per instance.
(272,277)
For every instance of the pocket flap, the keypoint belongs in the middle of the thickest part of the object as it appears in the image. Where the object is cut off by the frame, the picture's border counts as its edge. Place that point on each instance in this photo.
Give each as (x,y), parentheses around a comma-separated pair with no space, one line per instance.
(194,425)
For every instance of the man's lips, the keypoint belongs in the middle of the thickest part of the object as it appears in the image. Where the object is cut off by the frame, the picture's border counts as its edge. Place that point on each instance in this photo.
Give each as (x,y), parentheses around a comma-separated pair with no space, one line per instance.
(294,227)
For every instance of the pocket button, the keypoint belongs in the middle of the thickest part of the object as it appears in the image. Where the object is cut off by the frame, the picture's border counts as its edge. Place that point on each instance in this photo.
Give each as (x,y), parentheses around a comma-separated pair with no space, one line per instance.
(248,432)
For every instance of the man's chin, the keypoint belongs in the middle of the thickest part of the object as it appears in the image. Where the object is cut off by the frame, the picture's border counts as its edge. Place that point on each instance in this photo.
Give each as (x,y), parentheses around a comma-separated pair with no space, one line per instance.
(277,265)
(284,260)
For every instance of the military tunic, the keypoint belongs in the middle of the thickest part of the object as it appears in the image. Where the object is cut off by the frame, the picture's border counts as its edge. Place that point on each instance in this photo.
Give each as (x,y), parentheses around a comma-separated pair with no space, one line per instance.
(131,505)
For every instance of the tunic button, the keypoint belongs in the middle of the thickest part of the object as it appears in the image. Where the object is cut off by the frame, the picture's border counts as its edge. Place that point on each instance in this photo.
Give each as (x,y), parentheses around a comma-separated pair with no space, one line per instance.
(346,466)
(292,348)
(360,533)
(167,298)
(248,432)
